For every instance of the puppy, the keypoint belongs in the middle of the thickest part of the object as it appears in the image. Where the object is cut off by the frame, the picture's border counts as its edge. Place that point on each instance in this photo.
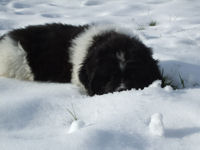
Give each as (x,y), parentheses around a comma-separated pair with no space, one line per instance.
(101,59)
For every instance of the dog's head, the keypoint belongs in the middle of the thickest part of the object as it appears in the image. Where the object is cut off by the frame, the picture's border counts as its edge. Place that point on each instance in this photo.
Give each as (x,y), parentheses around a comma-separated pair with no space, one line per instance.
(118,63)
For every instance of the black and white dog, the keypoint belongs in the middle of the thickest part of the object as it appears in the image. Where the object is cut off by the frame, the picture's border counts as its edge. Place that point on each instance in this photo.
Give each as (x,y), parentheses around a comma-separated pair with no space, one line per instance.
(100,59)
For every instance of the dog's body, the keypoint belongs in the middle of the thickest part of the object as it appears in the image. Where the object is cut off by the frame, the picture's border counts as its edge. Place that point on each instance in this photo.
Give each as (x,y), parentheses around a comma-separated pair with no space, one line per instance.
(101,59)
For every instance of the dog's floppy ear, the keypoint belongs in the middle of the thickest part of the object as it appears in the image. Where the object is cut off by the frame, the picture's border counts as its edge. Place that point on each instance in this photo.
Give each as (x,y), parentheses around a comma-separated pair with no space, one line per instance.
(87,80)
(86,77)
(83,76)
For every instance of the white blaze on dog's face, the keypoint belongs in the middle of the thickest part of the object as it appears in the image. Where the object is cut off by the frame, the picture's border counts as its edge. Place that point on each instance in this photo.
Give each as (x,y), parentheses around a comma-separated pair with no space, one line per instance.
(122,61)
(118,63)
(121,87)
(122,64)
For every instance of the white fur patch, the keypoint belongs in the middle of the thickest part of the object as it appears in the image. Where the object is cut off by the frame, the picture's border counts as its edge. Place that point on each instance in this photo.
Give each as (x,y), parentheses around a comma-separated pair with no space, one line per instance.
(80,45)
(122,86)
(120,56)
(13,63)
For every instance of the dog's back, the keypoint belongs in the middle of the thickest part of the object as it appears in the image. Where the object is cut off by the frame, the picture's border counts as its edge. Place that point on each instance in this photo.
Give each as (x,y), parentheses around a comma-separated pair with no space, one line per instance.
(38,52)
(101,59)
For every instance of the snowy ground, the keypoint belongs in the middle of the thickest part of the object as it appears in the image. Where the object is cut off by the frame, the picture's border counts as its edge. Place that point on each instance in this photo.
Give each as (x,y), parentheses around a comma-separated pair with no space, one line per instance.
(37,115)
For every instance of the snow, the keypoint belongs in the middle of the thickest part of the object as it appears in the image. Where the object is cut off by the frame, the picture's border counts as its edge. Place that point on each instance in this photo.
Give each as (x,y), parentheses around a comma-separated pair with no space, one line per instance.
(76,125)
(156,126)
(35,115)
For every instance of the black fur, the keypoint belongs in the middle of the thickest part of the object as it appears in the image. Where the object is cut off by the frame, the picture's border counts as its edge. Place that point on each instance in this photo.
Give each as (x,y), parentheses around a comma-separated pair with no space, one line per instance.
(47,48)
(101,72)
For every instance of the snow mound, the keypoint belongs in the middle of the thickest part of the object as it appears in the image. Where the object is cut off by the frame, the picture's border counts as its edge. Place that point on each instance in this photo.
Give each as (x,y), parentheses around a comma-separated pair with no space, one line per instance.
(156,125)
(76,125)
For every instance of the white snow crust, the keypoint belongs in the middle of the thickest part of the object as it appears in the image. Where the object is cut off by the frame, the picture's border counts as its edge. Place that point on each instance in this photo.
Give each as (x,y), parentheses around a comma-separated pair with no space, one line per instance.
(156,126)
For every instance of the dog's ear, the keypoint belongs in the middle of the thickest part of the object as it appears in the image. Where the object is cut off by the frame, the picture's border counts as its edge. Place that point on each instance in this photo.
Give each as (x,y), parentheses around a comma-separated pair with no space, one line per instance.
(94,85)
(86,76)
(83,77)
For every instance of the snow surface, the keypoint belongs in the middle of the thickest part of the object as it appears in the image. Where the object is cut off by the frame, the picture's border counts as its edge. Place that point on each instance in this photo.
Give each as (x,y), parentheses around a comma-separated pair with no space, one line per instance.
(76,125)
(156,125)
(35,115)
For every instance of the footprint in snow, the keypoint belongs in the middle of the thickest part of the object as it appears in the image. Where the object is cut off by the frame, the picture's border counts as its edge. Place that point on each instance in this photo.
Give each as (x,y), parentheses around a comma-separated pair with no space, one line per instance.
(92,3)
(50,15)
(4,2)
(157,1)
(21,5)
(25,13)
(6,24)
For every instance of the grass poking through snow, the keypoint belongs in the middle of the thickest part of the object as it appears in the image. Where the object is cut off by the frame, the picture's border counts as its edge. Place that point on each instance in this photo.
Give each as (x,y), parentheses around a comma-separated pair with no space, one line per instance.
(166,81)
(141,27)
(182,81)
(153,23)
(72,113)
